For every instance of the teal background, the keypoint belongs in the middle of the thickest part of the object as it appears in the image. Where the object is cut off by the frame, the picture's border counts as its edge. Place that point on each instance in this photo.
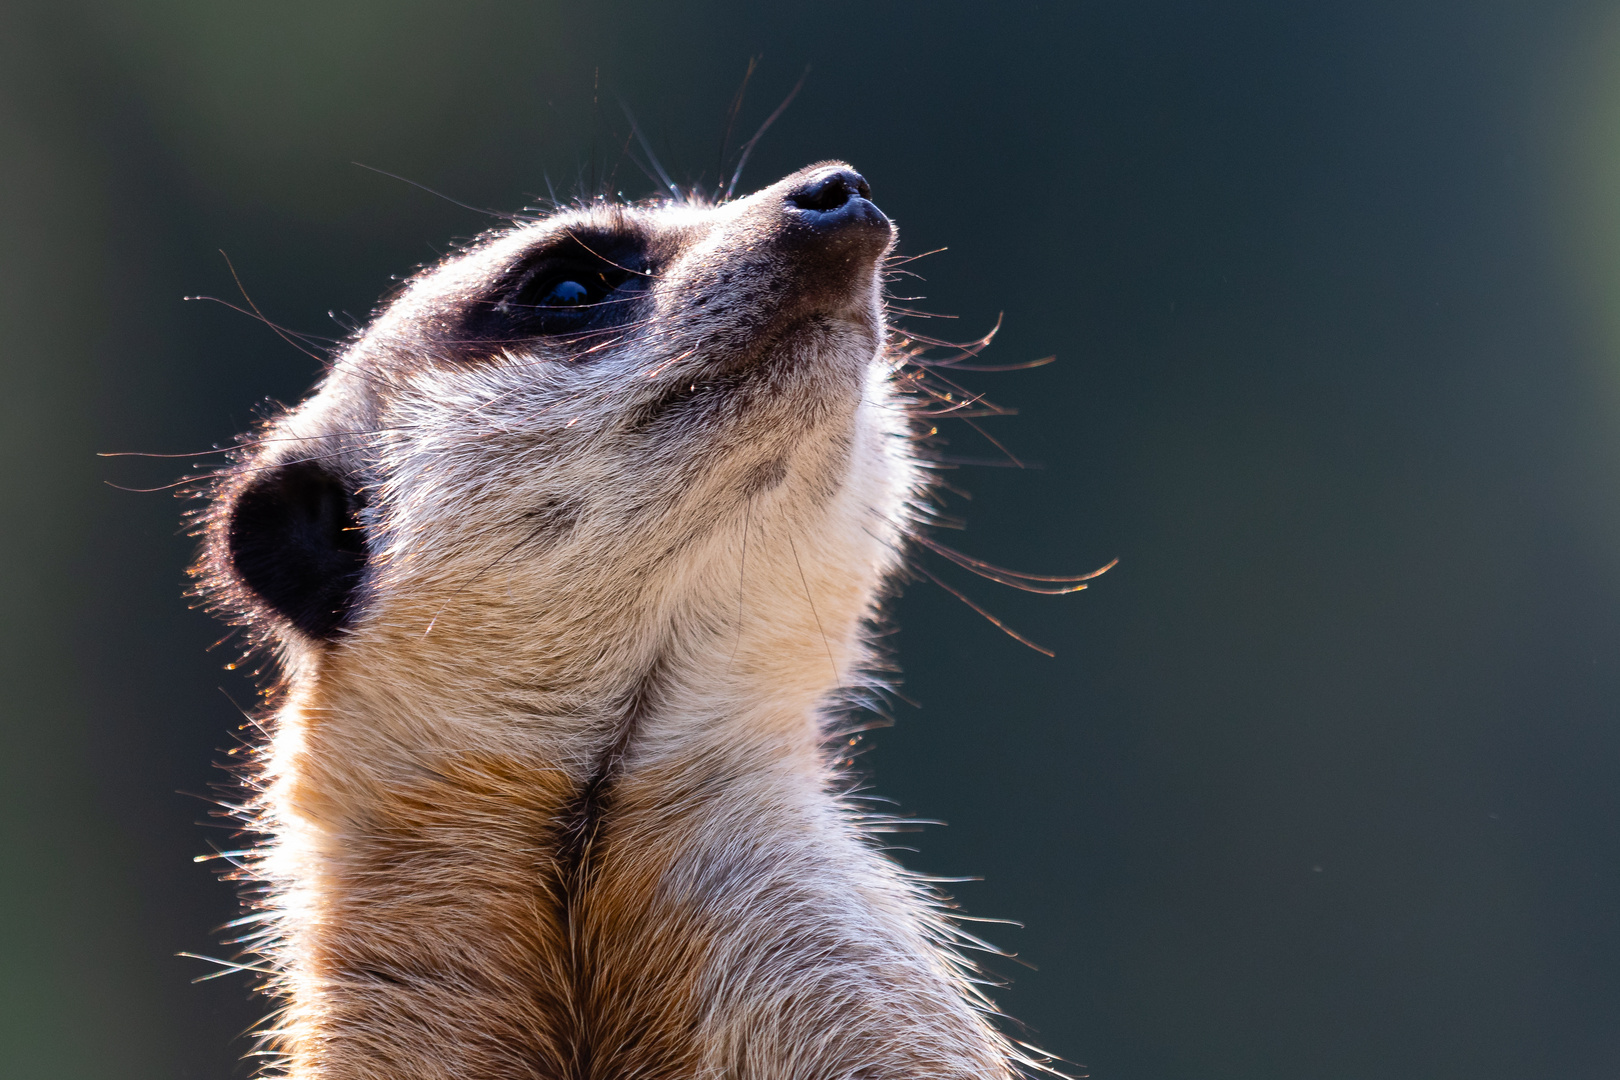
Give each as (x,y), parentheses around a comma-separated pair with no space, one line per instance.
(1322,780)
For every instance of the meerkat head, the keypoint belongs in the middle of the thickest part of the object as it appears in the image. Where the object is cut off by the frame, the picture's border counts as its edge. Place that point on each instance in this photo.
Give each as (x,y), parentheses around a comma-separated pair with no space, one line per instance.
(558,445)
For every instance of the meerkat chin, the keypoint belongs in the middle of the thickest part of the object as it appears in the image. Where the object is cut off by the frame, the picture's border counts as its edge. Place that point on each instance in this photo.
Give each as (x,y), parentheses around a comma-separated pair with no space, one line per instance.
(565,565)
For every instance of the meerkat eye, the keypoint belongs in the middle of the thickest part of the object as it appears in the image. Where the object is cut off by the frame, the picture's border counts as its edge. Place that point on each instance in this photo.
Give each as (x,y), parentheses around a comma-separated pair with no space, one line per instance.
(572,286)
(562,300)
(567,293)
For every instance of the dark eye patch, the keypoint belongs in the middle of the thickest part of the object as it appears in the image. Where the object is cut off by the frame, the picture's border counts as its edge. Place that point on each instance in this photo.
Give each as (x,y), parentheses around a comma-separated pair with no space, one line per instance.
(581,281)
(560,297)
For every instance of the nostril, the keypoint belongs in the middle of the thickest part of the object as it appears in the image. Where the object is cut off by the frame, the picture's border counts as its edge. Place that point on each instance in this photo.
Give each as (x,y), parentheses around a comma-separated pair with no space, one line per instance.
(830,192)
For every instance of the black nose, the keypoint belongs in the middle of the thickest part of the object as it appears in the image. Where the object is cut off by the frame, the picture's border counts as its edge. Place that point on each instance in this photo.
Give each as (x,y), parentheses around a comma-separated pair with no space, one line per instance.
(836,201)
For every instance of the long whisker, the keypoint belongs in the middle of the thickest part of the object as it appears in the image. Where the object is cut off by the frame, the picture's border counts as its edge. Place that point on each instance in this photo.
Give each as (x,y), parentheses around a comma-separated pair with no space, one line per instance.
(646,148)
(142,454)
(279,332)
(326,363)
(993,441)
(997,623)
(1017,579)
(742,569)
(301,334)
(748,148)
(913,313)
(969,400)
(486,568)
(251,443)
(901,260)
(959,388)
(559,345)
(442,195)
(609,302)
(627,269)
(955,407)
(813,614)
(229,967)
(226,471)
(731,120)
(953,460)
(160,487)
(956,366)
(977,343)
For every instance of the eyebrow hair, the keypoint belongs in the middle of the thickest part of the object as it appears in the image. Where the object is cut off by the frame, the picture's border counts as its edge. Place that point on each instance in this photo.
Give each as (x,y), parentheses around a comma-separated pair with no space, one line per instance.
(608,244)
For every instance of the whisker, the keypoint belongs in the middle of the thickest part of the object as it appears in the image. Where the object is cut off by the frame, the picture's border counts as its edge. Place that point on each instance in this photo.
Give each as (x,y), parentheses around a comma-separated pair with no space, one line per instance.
(609,302)
(901,260)
(646,148)
(442,195)
(604,258)
(731,120)
(993,441)
(973,462)
(955,406)
(527,539)
(279,332)
(326,363)
(742,571)
(913,313)
(825,644)
(972,348)
(1016,579)
(229,966)
(956,366)
(997,623)
(226,472)
(251,443)
(161,487)
(301,334)
(748,148)
(141,454)
(969,400)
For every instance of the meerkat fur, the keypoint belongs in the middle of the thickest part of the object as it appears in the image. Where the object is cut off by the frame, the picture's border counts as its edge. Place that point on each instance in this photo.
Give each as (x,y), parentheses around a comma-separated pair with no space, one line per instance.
(567,567)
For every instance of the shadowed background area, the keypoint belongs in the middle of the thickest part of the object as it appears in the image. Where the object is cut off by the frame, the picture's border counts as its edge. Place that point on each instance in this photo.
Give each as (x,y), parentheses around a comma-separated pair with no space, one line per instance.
(1322,780)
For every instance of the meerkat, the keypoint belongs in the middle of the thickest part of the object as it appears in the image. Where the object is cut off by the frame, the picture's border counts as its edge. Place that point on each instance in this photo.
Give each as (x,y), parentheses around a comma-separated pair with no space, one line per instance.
(566,567)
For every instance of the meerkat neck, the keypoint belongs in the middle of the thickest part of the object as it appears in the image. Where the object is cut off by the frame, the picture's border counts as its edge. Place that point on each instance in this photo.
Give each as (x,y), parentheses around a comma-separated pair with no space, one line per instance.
(656,899)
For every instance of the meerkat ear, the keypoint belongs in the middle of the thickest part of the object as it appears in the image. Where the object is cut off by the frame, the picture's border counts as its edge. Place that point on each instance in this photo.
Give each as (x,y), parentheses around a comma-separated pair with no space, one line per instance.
(293,538)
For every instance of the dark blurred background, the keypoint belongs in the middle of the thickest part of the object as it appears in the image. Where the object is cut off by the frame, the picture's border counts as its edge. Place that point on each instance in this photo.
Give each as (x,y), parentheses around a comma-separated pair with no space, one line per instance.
(1322,782)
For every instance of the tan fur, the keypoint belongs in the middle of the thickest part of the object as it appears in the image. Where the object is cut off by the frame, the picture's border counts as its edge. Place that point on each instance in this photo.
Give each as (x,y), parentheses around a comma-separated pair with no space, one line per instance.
(556,802)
